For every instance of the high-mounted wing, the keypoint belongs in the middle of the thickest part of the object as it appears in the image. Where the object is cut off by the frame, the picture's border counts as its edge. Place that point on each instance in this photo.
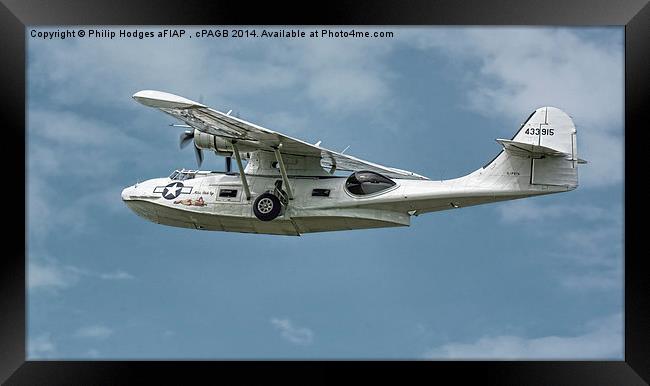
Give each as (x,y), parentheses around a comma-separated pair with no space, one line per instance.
(223,125)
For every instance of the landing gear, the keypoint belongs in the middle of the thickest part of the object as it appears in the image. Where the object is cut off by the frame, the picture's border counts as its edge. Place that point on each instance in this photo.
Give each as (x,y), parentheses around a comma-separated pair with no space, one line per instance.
(267,206)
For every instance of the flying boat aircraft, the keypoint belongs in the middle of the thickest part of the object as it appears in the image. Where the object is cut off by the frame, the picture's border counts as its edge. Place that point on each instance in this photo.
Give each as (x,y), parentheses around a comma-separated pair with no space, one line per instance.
(291,187)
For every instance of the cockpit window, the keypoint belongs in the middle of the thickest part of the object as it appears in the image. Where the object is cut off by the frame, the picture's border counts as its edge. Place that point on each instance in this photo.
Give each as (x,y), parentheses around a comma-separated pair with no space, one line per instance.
(365,182)
(182,175)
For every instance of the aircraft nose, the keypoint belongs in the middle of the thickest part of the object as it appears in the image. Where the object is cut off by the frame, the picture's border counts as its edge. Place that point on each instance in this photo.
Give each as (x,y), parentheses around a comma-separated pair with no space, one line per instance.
(127,193)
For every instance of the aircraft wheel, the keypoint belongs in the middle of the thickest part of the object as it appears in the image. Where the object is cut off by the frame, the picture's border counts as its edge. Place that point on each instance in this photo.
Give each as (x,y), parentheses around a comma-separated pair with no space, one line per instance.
(267,207)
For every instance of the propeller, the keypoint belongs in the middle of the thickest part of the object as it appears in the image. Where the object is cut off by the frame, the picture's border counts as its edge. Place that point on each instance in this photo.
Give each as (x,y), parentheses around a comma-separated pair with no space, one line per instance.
(187,137)
(199,156)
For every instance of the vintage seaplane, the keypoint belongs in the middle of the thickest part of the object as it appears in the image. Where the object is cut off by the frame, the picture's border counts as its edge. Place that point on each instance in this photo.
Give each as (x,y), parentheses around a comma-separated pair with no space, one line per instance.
(291,187)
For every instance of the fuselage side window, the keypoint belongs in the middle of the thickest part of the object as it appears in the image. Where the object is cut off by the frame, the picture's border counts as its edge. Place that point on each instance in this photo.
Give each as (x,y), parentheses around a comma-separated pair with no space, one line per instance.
(320,193)
(228,193)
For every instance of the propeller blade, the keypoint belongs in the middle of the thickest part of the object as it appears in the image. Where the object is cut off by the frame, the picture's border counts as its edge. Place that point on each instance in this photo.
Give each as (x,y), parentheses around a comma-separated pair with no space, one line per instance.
(199,155)
(186,138)
(228,164)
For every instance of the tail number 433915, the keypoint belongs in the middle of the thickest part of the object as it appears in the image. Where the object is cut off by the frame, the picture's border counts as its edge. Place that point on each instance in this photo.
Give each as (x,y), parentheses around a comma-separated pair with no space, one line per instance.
(537,131)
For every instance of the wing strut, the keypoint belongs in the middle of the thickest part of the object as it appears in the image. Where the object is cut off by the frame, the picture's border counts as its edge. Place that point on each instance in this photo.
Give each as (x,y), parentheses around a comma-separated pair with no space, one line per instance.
(241,170)
(283,171)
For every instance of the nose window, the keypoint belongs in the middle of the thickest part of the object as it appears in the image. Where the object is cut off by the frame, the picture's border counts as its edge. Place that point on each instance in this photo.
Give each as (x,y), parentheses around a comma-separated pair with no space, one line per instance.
(365,182)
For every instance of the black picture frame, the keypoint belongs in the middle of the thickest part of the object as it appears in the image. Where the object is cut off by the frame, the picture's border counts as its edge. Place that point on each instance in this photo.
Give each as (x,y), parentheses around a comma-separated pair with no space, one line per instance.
(15,15)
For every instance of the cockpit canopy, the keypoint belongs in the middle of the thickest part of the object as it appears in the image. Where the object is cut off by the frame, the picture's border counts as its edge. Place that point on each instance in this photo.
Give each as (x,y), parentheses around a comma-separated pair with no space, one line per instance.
(180,175)
(365,182)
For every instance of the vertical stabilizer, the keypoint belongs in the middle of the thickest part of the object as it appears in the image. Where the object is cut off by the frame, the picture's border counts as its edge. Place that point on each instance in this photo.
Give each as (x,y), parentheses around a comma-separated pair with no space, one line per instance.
(544,152)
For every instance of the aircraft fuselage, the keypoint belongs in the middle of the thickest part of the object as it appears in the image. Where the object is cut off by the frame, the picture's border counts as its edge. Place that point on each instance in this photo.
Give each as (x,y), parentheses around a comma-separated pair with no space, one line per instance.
(217,201)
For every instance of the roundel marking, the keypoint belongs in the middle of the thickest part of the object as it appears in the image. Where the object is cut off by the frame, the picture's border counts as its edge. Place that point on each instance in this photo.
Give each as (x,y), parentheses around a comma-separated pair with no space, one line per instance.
(172,190)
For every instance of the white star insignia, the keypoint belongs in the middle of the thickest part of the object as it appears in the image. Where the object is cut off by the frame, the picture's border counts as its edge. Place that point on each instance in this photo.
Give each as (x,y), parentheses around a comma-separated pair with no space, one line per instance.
(171,191)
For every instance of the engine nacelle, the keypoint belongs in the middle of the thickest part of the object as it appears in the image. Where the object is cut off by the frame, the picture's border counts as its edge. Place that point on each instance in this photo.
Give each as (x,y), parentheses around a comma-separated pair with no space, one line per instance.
(207,141)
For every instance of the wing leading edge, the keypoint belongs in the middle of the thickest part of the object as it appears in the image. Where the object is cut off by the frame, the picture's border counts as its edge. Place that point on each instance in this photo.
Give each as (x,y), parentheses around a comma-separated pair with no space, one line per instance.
(223,125)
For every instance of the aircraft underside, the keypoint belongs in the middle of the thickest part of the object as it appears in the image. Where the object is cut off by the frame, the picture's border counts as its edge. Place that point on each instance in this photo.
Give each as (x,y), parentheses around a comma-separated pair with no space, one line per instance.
(282,225)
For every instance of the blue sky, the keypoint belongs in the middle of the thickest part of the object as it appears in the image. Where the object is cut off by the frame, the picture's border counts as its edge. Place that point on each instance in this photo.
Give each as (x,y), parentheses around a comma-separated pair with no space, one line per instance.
(539,278)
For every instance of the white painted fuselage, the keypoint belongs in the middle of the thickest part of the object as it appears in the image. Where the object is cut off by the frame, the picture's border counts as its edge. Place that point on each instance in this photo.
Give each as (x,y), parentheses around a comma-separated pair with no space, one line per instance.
(202,204)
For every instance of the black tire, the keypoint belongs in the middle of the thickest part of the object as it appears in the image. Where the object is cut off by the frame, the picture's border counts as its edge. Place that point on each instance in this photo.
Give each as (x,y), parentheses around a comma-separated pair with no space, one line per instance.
(267,207)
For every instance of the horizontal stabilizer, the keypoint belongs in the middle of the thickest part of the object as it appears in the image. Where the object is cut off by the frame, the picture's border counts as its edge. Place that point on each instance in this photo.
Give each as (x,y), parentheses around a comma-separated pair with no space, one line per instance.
(529,149)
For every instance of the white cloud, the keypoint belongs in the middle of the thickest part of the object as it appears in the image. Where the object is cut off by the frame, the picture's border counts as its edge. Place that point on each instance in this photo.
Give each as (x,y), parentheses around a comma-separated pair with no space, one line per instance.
(48,212)
(521,69)
(70,128)
(85,66)
(338,74)
(117,275)
(285,122)
(65,145)
(94,332)
(594,244)
(530,210)
(603,339)
(294,334)
(594,257)
(590,254)
(50,275)
(609,279)
(605,155)
(41,346)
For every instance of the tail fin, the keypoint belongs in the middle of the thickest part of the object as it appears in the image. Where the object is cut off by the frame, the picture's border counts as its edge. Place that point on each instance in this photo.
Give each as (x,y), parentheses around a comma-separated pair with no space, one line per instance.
(549,127)
(542,153)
